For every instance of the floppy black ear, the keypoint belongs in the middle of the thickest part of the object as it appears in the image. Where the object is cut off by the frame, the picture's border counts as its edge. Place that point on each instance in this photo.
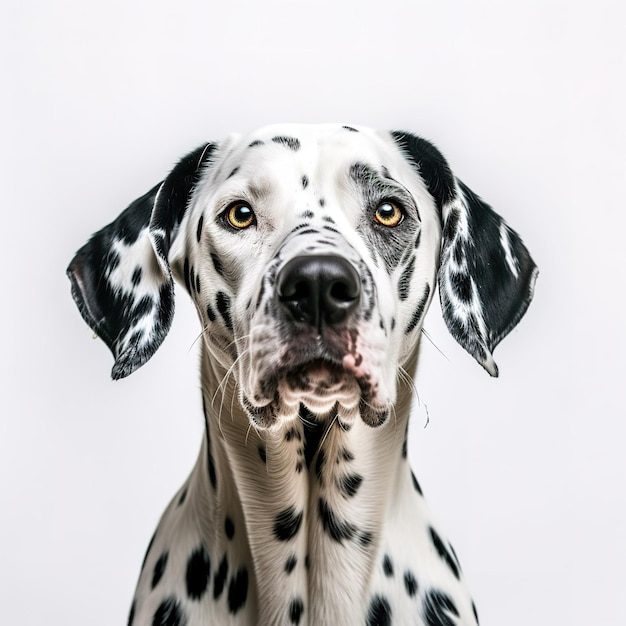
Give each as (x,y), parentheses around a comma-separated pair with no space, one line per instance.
(486,275)
(121,278)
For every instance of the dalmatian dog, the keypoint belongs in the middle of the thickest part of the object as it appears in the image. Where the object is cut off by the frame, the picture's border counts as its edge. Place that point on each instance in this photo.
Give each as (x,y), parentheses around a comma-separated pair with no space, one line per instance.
(311,254)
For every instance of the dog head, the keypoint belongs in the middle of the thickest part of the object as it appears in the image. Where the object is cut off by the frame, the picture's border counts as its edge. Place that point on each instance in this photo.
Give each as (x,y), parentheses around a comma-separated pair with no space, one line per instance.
(311,254)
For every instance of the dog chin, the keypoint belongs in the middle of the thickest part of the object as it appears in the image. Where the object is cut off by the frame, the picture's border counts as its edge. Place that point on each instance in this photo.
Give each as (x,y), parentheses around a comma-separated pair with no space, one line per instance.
(326,390)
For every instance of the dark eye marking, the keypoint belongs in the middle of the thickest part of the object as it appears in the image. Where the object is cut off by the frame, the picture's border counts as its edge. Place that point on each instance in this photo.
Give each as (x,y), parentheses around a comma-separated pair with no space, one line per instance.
(377,188)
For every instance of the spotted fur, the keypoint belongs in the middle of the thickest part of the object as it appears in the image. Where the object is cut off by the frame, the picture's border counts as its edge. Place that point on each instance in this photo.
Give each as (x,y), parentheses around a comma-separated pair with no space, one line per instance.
(302,507)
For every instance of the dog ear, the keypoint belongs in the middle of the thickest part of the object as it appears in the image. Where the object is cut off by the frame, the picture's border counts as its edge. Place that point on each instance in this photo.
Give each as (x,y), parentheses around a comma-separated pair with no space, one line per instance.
(121,279)
(486,275)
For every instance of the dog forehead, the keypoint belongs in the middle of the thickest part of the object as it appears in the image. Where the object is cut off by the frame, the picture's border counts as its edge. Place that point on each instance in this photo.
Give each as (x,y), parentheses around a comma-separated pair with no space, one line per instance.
(312,150)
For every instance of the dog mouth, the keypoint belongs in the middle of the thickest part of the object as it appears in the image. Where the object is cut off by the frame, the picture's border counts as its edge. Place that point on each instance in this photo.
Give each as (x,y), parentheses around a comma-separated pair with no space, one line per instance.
(327,387)
(321,374)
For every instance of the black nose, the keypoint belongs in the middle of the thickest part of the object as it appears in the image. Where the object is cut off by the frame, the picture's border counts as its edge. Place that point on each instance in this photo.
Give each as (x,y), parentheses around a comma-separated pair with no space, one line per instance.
(319,290)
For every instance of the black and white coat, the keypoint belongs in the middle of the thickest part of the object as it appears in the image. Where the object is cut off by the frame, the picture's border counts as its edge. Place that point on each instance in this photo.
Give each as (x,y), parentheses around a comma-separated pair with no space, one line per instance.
(312,254)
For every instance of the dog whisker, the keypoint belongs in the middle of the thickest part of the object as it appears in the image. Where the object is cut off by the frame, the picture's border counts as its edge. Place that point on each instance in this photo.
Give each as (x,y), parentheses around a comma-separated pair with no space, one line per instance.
(431,340)
(327,431)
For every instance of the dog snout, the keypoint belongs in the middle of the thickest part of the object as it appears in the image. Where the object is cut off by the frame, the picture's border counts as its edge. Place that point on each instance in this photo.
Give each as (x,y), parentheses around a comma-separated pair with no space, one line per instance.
(319,290)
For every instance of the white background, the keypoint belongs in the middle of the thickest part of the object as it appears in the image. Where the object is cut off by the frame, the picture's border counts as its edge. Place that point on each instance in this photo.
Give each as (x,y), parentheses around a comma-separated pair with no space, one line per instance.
(527,100)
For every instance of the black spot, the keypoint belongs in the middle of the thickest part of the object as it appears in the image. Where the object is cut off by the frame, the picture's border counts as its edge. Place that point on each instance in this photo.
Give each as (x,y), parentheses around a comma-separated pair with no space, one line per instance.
(145,558)
(346,455)
(197,283)
(238,590)
(143,307)
(456,558)
(405,442)
(233,172)
(379,613)
(296,608)
(199,229)
(461,286)
(223,306)
(211,469)
(319,464)
(405,280)
(217,263)
(419,311)
(183,495)
(305,182)
(410,584)
(438,607)
(290,142)
(443,552)
(416,485)
(210,313)
(192,277)
(112,260)
(307,562)
(220,578)
(295,229)
(387,566)
(159,568)
(309,231)
(256,142)
(350,483)
(293,433)
(475,612)
(287,524)
(229,527)
(365,538)
(186,274)
(418,239)
(291,563)
(169,613)
(307,215)
(352,130)
(131,615)
(263,454)
(198,573)
(330,228)
(334,527)
(136,277)
(313,431)
(206,418)
(322,202)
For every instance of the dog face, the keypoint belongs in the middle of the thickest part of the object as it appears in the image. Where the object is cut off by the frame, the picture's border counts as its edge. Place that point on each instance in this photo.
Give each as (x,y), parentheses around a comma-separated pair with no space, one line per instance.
(311,253)
(301,248)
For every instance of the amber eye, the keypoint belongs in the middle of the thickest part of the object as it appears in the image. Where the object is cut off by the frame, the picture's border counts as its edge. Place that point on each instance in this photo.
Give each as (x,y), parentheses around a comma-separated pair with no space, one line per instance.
(239,215)
(388,214)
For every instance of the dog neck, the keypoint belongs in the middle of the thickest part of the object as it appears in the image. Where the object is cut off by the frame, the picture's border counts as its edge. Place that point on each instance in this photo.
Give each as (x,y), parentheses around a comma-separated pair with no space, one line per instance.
(305,503)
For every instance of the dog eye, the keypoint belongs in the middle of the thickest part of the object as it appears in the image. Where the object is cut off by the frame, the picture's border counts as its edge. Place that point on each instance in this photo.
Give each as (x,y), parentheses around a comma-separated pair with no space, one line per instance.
(388,214)
(239,215)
